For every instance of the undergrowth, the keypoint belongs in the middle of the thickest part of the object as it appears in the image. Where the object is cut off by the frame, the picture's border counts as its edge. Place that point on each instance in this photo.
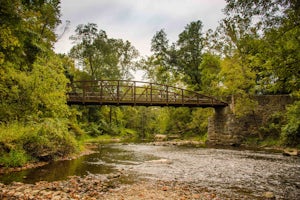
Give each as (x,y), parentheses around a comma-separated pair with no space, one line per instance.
(44,141)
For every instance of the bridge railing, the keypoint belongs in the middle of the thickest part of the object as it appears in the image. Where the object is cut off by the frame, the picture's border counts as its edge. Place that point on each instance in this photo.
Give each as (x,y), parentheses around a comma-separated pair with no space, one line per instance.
(136,93)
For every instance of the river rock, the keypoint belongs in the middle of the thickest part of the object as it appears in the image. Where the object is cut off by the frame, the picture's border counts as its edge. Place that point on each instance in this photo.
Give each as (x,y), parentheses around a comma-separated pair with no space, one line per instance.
(291,152)
(160,161)
(269,195)
(160,137)
(174,136)
(112,176)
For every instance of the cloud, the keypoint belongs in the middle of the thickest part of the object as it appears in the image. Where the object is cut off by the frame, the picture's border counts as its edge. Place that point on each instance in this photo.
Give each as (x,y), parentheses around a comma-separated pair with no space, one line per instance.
(138,20)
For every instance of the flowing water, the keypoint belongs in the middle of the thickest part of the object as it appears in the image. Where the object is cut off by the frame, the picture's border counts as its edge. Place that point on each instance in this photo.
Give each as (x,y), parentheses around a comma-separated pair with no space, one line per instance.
(240,173)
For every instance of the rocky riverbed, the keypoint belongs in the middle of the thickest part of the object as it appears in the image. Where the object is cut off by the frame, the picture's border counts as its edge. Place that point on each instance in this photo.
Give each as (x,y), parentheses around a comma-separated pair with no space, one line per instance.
(88,187)
(153,171)
(105,187)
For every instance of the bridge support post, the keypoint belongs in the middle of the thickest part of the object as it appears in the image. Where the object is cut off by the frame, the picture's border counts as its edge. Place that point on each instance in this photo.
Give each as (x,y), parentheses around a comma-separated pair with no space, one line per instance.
(221,128)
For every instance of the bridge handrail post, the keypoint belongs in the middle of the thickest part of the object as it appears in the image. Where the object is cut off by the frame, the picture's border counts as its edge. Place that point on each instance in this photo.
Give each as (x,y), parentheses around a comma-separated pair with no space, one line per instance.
(151,92)
(101,91)
(83,91)
(167,95)
(134,92)
(182,97)
(118,91)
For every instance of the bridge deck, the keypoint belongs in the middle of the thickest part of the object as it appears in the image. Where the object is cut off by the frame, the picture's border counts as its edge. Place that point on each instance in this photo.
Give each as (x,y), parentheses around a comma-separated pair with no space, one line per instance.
(120,92)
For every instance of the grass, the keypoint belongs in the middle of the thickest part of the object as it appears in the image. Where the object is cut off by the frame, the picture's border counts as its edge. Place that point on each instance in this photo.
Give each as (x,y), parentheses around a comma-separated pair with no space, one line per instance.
(270,142)
(267,142)
(194,137)
(99,139)
(15,158)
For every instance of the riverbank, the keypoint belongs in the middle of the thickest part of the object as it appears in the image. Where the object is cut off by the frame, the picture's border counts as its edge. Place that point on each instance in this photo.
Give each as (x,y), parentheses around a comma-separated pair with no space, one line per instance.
(193,143)
(88,149)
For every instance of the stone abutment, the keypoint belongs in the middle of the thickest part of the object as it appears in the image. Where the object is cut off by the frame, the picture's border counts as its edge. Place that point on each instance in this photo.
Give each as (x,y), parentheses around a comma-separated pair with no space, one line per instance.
(225,128)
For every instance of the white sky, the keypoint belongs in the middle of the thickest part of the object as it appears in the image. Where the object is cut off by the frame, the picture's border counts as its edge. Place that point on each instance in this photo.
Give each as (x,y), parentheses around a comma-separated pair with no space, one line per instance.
(137,20)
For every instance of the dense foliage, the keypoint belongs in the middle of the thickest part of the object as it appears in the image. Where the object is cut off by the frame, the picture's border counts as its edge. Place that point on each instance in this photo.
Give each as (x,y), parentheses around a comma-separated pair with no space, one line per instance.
(264,36)
(33,111)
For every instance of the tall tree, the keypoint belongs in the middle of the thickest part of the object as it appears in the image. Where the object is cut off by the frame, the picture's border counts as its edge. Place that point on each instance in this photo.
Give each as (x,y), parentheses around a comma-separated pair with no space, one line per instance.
(210,68)
(189,54)
(271,13)
(158,66)
(27,29)
(271,48)
(179,62)
(263,36)
(33,111)
(102,57)
(26,38)
(84,50)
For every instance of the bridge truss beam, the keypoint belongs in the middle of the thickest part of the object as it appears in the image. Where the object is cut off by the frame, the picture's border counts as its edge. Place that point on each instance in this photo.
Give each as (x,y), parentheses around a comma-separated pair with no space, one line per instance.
(136,93)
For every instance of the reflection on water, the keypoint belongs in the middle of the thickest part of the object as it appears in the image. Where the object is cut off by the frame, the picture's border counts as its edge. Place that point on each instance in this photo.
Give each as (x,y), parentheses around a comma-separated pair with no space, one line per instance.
(59,170)
(104,161)
(239,173)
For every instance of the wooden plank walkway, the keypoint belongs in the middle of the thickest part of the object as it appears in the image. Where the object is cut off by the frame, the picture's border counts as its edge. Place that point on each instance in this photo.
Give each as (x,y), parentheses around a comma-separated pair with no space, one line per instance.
(136,93)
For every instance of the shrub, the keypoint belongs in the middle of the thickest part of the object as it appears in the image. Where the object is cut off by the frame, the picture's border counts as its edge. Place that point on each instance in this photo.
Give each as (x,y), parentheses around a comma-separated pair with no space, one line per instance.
(49,139)
(76,130)
(15,158)
(93,129)
(272,128)
(42,140)
(291,131)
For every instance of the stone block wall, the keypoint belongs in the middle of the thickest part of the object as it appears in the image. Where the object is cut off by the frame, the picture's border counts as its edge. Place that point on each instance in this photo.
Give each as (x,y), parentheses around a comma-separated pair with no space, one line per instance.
(224,128)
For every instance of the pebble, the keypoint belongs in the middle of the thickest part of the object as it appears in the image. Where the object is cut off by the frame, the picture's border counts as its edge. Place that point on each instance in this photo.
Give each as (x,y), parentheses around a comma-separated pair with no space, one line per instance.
(269,195)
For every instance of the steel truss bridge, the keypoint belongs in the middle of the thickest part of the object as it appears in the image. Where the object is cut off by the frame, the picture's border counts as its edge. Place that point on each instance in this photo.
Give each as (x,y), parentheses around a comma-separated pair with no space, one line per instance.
(136,93)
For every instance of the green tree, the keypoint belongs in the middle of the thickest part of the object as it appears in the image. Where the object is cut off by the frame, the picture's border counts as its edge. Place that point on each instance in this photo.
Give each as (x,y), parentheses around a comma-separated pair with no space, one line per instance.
(266,51)
(271,13)
(210,68)
(25,45)
(33,111)
(27,29)
(100,56)
(291,130)
(158,66)
(84,50)
(271,48)
(180,62)
(189,54)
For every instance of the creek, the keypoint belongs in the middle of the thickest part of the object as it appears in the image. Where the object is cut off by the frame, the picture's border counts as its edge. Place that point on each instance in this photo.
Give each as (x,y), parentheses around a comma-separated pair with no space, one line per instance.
(234,172)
